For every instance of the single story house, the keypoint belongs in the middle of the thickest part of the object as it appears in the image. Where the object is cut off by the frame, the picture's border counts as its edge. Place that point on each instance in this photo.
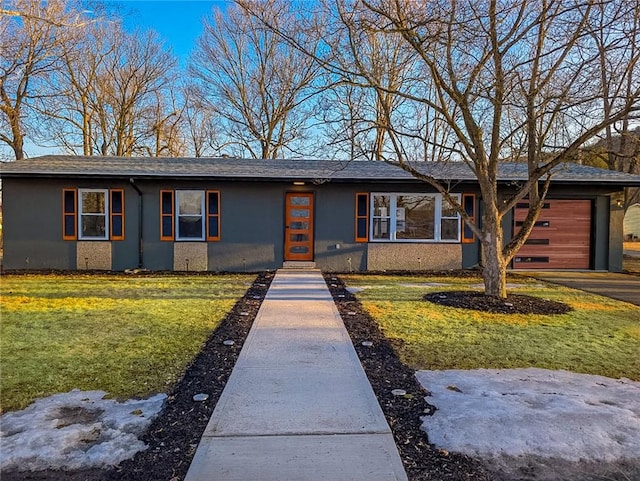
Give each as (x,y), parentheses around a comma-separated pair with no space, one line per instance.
(223,214)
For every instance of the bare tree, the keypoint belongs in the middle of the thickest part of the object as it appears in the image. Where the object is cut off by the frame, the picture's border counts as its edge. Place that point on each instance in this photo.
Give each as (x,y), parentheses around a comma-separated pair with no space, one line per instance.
(342,109)
(167,129)
(384,62)
(493,81)
(134,79)
(258,87)
(619,146)
(199,129)
(31,34)
(112,94)
(68,115)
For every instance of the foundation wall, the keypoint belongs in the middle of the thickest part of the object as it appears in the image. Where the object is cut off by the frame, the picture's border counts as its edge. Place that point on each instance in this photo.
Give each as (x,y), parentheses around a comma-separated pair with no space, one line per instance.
(413,257)
(190,256)
(93,255)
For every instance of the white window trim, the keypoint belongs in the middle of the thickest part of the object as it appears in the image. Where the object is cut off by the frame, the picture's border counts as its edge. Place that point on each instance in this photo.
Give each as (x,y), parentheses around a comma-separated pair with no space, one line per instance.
(106,215)
(437,230)
(202,215)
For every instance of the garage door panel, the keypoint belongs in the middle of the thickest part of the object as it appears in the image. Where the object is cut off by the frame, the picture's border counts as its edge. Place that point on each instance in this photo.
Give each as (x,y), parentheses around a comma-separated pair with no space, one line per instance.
(561,238)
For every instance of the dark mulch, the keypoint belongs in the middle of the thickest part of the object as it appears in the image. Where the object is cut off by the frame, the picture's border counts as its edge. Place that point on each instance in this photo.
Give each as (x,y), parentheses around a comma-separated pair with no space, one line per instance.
(386,372)
(174,435)
(513,304)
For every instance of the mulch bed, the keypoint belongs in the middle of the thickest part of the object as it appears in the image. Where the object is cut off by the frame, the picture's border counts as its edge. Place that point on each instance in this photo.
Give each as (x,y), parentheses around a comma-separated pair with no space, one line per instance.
(513,304)
(422,461)
(174,435)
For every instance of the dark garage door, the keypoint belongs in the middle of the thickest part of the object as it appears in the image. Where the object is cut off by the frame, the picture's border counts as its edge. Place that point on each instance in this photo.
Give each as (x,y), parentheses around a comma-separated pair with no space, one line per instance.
(561,238)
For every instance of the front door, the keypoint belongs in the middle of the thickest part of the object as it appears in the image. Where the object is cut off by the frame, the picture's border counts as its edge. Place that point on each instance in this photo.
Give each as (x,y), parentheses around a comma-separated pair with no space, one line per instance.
(298,243)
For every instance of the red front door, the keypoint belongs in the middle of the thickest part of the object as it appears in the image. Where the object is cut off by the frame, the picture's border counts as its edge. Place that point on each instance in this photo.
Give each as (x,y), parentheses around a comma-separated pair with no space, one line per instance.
(298,243)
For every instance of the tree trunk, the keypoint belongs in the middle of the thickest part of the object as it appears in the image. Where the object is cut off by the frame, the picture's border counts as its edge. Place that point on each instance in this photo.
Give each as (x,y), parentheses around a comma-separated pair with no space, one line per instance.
(494,268)
(18,144)
(18,152)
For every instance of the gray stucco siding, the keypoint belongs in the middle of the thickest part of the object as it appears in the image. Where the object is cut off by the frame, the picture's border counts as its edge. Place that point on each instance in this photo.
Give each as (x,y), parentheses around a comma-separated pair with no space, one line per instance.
(615,238)
(125,252)
(600,233)
(252,226)
(33,237)
(32,226)
(157,255)
(335,246)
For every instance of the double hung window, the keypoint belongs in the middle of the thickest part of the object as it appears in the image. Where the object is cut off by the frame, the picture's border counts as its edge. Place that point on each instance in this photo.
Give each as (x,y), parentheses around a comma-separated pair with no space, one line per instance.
(93,208)
(189,215)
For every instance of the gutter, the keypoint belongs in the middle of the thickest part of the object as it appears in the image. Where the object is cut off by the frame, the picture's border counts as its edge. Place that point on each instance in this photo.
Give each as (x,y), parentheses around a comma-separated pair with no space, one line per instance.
(140,224)
(577,181)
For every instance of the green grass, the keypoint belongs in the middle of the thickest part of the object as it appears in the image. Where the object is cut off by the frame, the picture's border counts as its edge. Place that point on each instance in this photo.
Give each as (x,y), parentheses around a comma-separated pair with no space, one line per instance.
(600,336)
(128,336)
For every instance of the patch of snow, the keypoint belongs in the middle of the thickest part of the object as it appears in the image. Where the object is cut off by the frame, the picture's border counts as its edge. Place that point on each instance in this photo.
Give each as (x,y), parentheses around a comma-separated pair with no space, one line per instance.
(520,412)
(423,284)
(355,290)
(75,430)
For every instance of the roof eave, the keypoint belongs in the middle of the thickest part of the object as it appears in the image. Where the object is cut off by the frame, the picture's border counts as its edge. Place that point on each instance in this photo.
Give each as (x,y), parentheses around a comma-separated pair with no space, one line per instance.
(619,183)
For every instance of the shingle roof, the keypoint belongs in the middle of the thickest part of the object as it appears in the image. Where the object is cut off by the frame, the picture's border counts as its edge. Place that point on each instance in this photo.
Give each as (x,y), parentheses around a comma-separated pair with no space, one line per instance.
(306,170)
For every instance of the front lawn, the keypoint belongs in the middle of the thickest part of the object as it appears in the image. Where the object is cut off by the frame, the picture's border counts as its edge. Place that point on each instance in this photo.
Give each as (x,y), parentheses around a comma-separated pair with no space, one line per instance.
(600,336)
(128,336)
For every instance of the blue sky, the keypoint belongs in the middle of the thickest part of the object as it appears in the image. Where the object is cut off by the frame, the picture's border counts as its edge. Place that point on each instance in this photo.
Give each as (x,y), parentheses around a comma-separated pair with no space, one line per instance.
(179,23)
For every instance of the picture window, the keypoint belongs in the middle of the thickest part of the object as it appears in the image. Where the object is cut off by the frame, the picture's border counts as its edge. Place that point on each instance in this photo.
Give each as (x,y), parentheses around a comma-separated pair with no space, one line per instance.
(409,217)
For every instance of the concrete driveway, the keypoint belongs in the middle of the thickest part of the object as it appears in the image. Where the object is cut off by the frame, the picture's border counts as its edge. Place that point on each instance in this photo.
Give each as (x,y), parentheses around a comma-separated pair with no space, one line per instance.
(623,287)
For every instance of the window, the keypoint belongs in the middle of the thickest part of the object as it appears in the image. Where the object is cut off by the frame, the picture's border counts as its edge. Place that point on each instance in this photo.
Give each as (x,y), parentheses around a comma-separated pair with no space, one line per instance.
(362,217)
(190,212)
(93,207)
(449,222)
(93,214)
(186,215)
(540,223)
(413,217)
(381,217)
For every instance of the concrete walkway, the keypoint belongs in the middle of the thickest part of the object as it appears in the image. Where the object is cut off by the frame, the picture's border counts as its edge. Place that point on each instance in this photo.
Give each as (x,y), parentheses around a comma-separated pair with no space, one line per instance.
(298,405)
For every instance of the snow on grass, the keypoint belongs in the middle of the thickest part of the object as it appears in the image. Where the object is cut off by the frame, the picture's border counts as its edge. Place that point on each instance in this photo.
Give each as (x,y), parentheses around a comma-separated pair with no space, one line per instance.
(75,430)
(520,412)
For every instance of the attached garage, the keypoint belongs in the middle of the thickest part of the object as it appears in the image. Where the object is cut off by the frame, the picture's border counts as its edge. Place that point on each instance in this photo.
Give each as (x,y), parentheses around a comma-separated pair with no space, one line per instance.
(561,238)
